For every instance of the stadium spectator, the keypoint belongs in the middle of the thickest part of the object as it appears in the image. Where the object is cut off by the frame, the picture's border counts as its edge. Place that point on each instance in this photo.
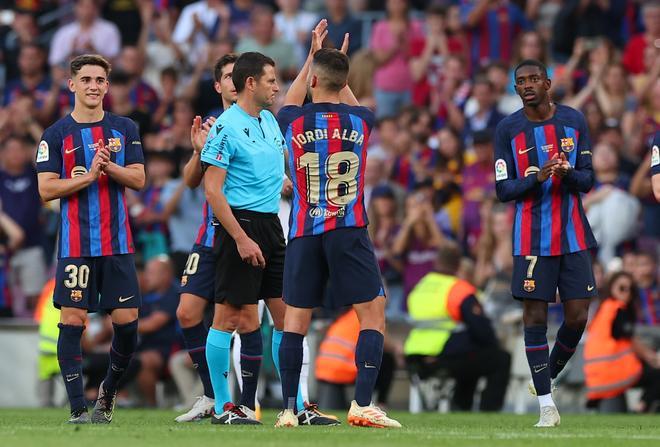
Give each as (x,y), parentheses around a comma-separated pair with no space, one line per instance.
(645,273)
(198,24)
(451,333)
(146,206)
(88,34)
(22,31)
(390,42)
(628,361)
(11,237)
(417,241)
(121,103)
(340,22)
(157,329)
(19,195)
(143,96)
(611,210)
(485,115)
(263,39)
(383,228)
(293,25)
(32,78)
(633,55)
(493,26)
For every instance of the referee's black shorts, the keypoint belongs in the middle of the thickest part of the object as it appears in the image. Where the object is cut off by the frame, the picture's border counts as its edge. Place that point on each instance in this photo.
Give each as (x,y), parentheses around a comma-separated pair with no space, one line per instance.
(236,281)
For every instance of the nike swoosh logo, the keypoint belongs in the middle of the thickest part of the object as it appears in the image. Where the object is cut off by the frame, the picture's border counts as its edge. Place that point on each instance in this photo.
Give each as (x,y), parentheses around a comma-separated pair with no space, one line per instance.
(71,378)
(590,288)
(123,300)
(68,151)
(538,370)
(366,365)
(524,151)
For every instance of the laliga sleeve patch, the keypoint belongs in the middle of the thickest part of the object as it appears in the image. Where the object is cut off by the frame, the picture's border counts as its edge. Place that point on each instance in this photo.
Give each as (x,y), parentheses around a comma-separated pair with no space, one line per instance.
(42,152)
(500,170)
(655,156)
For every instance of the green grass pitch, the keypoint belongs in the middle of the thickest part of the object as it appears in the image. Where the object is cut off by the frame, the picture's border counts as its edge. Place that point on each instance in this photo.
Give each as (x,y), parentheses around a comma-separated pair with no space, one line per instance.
(43,428)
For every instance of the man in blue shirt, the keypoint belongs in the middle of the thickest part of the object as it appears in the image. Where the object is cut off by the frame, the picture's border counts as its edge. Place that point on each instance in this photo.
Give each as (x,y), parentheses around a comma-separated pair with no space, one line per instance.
(244,165)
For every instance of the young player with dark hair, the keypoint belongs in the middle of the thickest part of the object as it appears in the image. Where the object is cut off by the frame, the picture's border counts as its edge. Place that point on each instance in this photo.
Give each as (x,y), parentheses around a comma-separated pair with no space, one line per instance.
(543,163)
(86,160)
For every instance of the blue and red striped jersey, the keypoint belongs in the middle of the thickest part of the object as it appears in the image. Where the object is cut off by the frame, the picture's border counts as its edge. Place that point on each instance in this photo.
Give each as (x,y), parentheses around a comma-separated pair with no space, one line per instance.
(94,220)
(327,146)
(549,218)
(491,39)
(649,305)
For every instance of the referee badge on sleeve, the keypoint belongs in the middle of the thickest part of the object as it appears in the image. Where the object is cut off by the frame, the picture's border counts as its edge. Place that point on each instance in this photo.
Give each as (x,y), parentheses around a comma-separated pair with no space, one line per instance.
(500,170)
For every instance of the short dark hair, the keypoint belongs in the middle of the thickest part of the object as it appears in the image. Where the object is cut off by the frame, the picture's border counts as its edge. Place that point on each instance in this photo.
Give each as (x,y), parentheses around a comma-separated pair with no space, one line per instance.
(171,72)
(449,258)
(531,63)
(436,9)
(334,66)
(120,77)
(79,62)
(229,58)
(249,65)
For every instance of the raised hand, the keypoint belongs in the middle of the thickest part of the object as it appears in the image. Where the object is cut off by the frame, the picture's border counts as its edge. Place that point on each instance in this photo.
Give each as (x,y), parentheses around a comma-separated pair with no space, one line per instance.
(319,34)
(198,134)
(344,44)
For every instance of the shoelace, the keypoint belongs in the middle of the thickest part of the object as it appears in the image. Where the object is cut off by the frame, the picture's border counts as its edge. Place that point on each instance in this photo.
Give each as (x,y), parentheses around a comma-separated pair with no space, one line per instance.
(106,400)
(237,411)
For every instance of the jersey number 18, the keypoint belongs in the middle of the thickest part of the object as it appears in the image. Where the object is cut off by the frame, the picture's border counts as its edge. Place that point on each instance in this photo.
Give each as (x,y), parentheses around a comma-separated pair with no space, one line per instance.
(341,169)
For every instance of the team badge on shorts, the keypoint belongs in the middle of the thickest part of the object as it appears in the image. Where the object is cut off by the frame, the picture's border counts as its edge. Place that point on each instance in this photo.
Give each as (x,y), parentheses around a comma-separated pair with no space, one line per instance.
(567,144)
(184,280)
(529,285)
(76,296)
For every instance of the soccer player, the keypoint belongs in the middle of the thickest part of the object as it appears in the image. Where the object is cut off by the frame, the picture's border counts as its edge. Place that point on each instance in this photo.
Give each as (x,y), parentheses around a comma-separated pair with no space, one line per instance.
(655,166)
(543,163)
(86,160)
(328,240)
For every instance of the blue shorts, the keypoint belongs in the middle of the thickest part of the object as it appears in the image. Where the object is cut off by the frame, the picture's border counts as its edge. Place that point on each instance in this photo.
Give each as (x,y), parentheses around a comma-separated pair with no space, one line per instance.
(198,277)
(344,256)
(539,277)
(97,283)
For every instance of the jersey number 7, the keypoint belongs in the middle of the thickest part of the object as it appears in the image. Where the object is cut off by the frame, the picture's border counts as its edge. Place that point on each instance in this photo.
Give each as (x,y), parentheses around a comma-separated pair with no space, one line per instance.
(341,170)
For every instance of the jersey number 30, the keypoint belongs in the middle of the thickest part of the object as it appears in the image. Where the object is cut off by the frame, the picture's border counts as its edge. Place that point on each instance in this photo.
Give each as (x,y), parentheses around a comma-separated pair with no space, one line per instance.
(341,168)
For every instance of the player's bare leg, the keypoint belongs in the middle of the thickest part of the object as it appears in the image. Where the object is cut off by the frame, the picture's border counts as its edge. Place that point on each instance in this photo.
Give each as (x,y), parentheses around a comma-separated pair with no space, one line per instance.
(535,318)
(190,314)
(368,355)
(226,320)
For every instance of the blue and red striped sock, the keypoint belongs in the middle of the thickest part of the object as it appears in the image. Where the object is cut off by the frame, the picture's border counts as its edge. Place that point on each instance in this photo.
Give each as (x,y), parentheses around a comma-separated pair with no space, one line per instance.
(564,348)
(536,348)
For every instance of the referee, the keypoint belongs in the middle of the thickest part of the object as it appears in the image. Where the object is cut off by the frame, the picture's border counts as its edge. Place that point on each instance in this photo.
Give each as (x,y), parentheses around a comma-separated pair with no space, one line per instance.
(244,165)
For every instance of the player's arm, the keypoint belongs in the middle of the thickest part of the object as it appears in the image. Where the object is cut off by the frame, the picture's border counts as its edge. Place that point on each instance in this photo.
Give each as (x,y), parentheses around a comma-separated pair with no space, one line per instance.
(346,95)
(655,183)
(216,157)
(51,186)
(507,186)
(298,90)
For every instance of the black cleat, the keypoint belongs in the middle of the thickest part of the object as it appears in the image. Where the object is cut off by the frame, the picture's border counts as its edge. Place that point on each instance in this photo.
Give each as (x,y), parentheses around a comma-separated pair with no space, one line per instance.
(105,407)
(79,417)
(235,415)
(312,416)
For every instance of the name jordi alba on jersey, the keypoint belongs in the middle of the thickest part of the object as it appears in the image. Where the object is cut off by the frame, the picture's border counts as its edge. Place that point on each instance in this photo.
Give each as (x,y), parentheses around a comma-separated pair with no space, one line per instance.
(327,146)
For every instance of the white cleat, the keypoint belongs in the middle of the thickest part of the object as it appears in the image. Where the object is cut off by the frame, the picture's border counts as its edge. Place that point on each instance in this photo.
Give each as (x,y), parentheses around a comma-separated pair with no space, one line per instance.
(286,418)
(370,416)
(549,417)
(532,389)
(201,409)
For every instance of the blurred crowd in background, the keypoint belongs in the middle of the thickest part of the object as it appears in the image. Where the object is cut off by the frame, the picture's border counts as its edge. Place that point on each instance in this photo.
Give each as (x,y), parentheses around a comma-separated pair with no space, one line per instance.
(438,75)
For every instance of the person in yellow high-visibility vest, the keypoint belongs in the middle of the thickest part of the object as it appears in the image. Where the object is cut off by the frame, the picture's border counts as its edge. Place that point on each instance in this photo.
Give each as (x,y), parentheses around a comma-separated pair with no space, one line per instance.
(451,333)
(48,367)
